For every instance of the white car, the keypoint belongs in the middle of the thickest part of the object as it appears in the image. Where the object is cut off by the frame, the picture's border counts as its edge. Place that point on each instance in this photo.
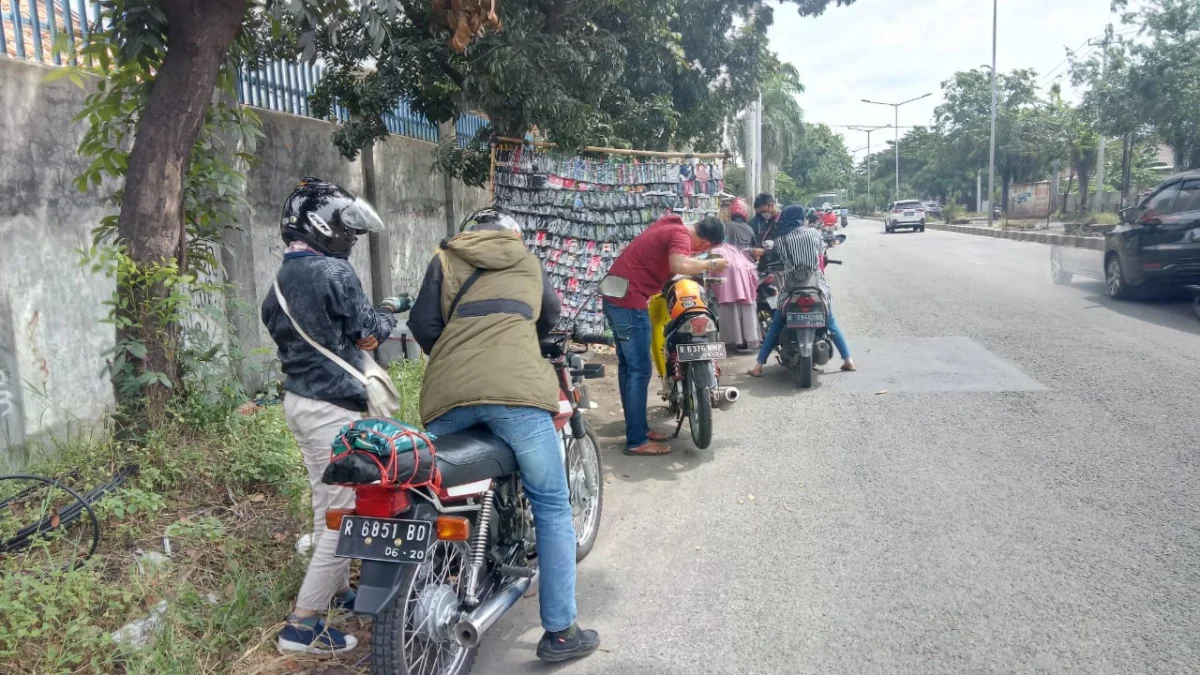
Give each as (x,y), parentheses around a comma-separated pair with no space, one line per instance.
(908,213)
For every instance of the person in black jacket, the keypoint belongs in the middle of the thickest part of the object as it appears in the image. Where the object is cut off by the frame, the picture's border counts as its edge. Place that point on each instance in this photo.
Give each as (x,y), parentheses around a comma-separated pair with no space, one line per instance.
(320,223)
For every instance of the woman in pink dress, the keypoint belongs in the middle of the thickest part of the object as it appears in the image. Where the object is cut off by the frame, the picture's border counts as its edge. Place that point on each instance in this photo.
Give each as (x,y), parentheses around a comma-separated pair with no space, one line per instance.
(737,295)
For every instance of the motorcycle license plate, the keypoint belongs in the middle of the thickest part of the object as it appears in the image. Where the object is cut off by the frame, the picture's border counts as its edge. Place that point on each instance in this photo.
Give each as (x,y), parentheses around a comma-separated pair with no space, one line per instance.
(384,539)
(709,351)
(806,320)
(773,301)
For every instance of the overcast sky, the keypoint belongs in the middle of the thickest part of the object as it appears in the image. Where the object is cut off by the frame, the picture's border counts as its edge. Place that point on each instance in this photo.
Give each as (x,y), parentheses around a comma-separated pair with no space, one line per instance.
(894,50)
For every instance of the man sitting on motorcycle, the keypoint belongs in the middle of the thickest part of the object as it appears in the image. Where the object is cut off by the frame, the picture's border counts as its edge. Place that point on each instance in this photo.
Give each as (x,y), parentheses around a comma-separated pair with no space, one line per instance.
(482,308)
(799,250)
(828,217)
(766,215)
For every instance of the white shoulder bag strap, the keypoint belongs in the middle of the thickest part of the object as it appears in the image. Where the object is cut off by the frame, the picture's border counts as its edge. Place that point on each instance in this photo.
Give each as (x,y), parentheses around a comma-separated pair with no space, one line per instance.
(383,400)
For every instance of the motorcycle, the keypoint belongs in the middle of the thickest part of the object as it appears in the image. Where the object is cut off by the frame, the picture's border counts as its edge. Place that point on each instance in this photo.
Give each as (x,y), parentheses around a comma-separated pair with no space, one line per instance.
(805,342)
(693,347)
(441,564)
(845,221)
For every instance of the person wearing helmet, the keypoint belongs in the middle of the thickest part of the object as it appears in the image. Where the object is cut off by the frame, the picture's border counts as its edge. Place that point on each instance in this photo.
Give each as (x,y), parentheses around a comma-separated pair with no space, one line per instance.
(319,224)
(738,231)
(828,217)
(653,257)
(482,309)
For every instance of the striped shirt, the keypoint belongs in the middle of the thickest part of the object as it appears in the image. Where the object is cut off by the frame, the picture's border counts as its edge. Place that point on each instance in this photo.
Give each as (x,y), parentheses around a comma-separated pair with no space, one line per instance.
(800,251)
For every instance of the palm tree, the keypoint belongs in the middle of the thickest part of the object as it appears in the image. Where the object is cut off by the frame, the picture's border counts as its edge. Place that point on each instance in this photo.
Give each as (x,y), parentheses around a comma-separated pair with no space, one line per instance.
(782,121)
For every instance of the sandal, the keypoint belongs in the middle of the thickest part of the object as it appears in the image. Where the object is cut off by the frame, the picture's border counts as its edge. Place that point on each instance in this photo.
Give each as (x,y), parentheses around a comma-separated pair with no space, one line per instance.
(657,436)
(751,373)
(649,448)
(849,367)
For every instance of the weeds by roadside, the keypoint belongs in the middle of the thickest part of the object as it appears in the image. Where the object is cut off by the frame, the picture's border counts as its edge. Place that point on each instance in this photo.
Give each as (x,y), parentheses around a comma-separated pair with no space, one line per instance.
(226,493)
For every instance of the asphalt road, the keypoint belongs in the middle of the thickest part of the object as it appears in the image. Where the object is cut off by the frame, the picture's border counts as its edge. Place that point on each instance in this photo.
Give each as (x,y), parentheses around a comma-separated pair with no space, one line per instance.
(1022,499)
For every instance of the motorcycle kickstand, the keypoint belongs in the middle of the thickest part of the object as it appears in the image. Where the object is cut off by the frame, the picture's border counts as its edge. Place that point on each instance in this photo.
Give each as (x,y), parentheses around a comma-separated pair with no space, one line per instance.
(678,427)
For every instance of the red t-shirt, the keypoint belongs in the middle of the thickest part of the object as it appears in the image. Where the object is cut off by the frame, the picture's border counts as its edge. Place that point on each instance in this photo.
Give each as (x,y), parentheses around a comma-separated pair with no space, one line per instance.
(829,218)
(645,262)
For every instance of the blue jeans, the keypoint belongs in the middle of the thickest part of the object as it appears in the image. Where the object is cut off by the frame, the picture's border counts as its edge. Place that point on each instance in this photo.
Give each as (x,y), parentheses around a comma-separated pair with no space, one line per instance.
(530,433)
(771,339)
(631,330)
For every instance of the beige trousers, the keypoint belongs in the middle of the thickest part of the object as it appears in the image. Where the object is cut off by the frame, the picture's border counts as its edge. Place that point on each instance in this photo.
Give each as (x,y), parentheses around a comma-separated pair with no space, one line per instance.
(315,424)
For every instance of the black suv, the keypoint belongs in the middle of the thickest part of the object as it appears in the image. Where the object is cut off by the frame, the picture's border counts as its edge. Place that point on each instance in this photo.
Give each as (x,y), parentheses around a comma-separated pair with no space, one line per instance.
(1157,244)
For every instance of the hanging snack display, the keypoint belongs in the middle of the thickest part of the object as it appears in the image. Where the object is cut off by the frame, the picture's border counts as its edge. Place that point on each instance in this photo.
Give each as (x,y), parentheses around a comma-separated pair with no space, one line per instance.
(578,214)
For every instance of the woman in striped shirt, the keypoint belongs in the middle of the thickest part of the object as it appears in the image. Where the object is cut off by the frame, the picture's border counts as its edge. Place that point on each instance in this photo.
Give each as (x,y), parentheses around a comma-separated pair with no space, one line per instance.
(800,250)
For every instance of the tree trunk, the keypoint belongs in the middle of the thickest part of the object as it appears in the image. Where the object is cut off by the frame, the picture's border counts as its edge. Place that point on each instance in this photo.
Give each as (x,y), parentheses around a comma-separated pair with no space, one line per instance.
(1126,167)
(151,223)
(1067,194)
(1085,175)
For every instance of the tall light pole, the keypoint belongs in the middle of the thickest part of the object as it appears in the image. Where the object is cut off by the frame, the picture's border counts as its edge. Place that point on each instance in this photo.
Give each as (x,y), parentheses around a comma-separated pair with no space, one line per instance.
(992,150)
(1098,205)
(869,131)
(896,109)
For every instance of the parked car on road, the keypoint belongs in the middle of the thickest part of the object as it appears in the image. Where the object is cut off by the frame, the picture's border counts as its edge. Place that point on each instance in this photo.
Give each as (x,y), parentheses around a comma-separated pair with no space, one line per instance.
(933,209)
(1155,248)
(908,213)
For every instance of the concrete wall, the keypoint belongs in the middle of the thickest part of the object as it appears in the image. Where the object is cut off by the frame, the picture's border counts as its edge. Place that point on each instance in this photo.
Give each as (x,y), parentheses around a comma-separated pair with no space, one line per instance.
(53,356)
(51,340)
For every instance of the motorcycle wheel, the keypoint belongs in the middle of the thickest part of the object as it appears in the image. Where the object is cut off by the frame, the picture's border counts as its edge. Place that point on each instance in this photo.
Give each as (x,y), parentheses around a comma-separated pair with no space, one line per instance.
(405,640)
(586,482)
(804,372)
(699,407)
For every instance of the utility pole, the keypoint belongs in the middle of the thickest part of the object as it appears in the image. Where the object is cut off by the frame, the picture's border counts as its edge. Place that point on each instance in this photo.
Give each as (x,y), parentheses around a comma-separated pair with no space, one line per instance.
(1098,204)
(869,131)
(992,151)
(896,147)
(978,190)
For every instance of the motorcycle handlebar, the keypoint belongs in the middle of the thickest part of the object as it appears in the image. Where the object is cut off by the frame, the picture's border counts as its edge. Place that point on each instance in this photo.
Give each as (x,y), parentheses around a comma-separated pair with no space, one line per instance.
(829,261)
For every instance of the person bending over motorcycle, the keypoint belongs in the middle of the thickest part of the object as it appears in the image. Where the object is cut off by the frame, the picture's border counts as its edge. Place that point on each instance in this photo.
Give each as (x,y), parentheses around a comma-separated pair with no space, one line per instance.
(799,250)
(320,223)
(483,306)
(663,250)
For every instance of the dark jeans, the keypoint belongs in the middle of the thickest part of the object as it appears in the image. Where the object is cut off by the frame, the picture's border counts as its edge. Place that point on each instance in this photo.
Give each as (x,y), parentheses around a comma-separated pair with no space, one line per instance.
(631,330)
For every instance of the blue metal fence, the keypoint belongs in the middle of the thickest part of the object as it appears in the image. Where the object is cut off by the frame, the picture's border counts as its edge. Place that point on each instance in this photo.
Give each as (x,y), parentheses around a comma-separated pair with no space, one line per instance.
(30,29)
(35,29)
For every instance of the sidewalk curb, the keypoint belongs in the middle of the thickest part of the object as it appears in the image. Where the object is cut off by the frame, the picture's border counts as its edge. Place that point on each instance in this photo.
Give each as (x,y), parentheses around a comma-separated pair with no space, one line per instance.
(1041,237)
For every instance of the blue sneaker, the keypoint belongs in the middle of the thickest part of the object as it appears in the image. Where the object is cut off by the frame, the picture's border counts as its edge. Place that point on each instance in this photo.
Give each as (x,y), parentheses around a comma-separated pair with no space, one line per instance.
(318,639)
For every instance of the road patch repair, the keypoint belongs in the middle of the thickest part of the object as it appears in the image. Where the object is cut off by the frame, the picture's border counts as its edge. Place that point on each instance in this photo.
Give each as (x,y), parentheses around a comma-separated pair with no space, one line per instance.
(926,365)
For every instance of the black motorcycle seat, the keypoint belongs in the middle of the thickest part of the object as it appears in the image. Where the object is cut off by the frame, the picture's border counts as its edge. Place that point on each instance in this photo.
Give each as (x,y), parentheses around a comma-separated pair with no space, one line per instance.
(473,455)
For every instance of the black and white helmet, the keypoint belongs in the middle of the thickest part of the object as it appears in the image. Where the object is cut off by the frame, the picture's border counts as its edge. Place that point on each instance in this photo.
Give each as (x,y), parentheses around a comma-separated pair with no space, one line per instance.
(327,217)
(491,218)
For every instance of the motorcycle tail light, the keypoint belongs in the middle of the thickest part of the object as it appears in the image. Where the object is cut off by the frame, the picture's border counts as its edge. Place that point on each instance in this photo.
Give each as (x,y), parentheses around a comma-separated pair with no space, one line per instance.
(333,518)
(804,302)
(701,325)
(379,501)
(453,528)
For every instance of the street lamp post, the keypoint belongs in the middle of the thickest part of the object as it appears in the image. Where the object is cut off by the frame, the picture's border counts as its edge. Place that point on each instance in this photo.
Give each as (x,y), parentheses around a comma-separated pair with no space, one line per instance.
(896,109)
(992,148)
(869,131)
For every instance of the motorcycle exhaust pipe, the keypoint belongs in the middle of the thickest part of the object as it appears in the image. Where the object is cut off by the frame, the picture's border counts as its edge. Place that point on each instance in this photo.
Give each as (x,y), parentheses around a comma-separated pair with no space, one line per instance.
(470,628)
(724,397)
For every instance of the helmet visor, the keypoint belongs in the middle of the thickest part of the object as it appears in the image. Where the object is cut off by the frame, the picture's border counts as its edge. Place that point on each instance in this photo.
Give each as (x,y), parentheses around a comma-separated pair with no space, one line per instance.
(361,217)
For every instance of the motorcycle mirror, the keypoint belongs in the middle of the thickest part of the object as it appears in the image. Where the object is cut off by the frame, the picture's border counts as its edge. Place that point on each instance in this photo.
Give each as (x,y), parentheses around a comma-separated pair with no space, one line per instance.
(839,239)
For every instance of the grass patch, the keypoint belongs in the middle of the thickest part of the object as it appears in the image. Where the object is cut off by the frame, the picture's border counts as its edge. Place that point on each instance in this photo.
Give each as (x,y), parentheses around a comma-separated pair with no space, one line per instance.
(227,490)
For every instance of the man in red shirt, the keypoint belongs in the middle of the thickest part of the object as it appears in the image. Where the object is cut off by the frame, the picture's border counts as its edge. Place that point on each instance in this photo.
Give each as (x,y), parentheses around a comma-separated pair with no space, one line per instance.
(648,262)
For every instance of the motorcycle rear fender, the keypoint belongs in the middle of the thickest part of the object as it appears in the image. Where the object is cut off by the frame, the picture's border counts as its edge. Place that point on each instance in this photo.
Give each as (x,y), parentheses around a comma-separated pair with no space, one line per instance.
(378,585)
(705,374)
(806,336)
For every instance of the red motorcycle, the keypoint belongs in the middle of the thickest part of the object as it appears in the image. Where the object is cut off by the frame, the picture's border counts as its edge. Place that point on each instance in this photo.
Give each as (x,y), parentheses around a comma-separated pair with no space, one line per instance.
(444,559)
